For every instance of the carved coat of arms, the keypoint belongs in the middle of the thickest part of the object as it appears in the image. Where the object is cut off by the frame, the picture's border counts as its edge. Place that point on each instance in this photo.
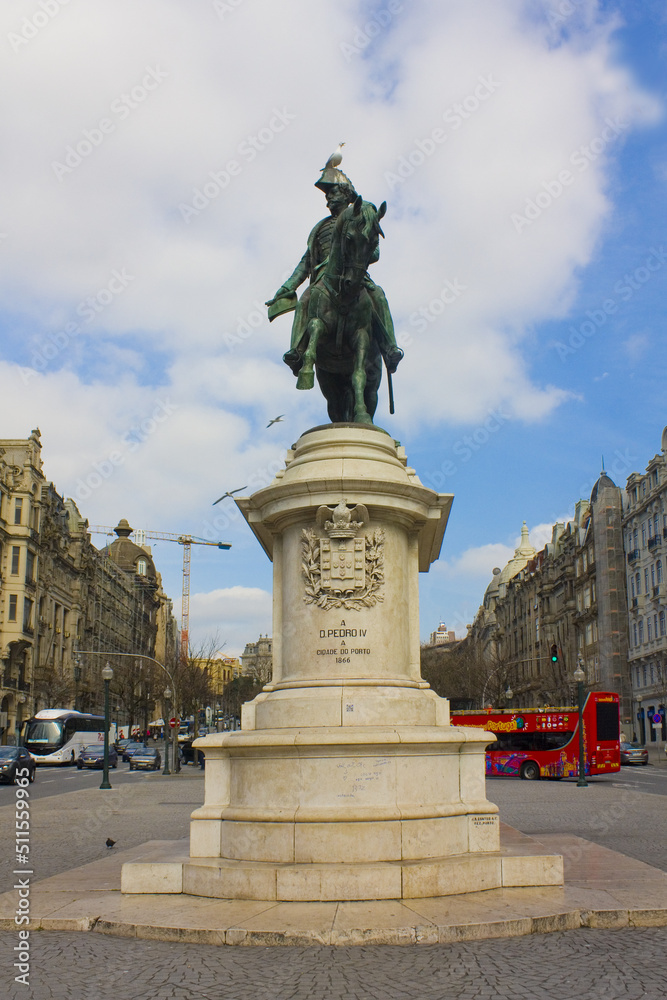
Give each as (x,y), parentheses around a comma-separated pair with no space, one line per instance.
(342,568)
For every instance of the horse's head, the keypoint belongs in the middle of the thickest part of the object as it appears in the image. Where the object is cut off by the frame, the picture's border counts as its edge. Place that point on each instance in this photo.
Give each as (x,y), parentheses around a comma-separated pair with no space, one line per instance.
(358,231)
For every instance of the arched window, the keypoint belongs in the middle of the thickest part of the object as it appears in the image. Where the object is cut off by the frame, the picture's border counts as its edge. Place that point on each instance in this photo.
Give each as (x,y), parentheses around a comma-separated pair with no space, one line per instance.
(141,567)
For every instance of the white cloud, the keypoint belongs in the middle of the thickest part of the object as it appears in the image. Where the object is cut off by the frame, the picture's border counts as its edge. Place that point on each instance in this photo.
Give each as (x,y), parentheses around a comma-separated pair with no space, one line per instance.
(186,94)
(235,615)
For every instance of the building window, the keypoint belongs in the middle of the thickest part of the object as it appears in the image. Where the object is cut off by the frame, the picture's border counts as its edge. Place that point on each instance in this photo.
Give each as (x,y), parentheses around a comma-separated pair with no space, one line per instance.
(652,575)
(644,673)
(632,586)
(27,613)
(662,622)
(649,629)
(658,571)
(18,511)
(652,675)
(638,582)
(16,553)
(13,600)
(656,525)
(646,580)
(643,534)
(634,537)
(634,634)
(638,677)
(641,631)
(30,566)
(141,567)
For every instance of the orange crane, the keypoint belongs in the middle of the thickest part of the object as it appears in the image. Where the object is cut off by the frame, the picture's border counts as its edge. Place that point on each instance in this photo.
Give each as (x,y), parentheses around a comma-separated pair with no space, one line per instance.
(187,541)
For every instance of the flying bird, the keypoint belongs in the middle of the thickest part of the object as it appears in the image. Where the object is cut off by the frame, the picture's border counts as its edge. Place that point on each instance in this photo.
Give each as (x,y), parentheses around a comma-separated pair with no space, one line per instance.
(335,157)
(276,420)
(110,842)
(229,493)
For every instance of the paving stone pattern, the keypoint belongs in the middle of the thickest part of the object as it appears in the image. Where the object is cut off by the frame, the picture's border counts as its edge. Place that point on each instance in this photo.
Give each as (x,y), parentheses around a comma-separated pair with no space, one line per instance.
(70,829)
(576,965)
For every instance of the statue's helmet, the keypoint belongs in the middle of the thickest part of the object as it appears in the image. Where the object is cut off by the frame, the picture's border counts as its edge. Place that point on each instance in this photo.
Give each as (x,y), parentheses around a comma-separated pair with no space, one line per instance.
(332,176)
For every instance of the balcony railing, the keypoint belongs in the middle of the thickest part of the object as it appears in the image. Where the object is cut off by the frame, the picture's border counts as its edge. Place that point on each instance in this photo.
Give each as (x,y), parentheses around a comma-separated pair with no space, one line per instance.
(654,541)
(634,554)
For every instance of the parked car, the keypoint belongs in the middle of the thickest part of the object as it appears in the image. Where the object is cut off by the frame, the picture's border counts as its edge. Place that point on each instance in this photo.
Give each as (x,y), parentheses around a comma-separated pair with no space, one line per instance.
(631,754)
(13,759)
(93,756)
(131,748)
(146,760)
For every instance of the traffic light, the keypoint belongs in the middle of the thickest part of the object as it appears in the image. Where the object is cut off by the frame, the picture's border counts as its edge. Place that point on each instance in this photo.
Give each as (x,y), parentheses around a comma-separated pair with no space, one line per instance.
(554,653)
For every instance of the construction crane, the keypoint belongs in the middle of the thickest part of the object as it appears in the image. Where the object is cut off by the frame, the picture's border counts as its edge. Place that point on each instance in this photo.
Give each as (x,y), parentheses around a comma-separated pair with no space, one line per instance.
(187,541)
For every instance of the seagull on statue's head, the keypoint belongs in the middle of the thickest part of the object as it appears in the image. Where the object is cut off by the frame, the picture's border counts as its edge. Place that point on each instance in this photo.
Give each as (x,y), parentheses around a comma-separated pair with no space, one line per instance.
(335,158)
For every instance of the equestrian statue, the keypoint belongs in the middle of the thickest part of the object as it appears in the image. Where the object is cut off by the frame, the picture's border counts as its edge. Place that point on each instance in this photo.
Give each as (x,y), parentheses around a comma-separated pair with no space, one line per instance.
(342,327)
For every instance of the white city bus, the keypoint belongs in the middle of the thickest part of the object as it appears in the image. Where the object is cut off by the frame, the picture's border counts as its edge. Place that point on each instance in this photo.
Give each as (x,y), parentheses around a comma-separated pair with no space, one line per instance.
(55,735)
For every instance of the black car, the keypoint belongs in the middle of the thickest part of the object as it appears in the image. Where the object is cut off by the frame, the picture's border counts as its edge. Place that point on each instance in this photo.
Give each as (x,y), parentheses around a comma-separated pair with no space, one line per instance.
(130,749)
(13,759)
(93,756)
(148,759)
(121,744)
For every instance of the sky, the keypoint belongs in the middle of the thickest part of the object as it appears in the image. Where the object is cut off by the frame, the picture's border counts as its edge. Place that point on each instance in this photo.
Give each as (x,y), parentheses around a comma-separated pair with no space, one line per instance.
(158,168)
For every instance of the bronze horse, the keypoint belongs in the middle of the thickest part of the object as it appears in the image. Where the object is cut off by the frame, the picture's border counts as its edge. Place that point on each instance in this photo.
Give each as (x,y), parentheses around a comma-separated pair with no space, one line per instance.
(340,342)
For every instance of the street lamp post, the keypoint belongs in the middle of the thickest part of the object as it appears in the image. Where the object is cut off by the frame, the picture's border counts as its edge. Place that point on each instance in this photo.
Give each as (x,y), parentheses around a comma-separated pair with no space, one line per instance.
(167,696)
(579,677)
(107,674)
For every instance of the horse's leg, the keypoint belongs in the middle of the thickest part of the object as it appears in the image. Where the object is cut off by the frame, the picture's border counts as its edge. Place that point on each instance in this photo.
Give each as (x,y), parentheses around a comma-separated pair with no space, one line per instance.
(306,376)
(337,391)
(373,379)
(358,377)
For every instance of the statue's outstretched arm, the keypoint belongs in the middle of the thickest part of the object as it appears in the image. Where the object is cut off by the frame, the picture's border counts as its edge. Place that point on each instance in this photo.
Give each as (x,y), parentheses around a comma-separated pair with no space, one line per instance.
(298,276)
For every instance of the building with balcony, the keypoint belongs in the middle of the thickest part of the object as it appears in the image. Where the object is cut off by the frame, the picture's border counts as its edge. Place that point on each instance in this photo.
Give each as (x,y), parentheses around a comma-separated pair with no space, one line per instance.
(544,613)
(645,533)
(59,595)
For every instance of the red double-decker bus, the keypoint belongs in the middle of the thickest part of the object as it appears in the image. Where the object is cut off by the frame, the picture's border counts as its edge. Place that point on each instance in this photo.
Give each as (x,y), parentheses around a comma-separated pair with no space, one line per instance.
(536,743)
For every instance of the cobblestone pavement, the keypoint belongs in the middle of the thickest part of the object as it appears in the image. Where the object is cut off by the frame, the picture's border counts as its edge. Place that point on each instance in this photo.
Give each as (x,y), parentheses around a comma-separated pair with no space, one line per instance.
(576,965)
(612,811)
(70,829)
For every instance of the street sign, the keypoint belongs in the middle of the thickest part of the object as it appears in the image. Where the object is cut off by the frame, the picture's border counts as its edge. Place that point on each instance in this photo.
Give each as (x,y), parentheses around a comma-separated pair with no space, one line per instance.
(173,723)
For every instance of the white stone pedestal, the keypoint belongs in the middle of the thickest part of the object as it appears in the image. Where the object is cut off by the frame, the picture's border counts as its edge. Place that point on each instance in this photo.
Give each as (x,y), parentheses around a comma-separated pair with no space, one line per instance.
(346,780)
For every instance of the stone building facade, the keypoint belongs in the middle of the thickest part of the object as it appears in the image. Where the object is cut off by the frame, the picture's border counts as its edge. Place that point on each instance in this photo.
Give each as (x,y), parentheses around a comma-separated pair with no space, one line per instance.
(645,531)
(257,659)
(565,605)
(59,595)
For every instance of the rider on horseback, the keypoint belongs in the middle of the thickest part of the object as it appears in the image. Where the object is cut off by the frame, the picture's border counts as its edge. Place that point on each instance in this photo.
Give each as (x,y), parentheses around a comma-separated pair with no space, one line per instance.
(339,193)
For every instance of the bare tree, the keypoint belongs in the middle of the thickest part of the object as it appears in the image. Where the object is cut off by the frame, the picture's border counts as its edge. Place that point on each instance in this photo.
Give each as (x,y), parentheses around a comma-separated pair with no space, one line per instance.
(54,686)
